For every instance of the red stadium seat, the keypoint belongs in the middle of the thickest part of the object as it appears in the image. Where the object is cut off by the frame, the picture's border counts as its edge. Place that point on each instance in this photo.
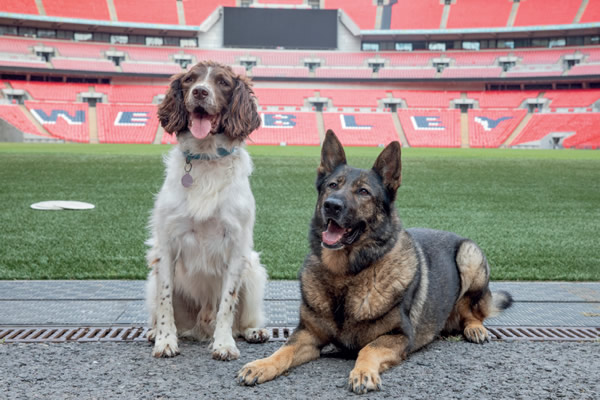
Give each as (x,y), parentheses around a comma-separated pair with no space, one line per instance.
(545,56)
(410,59)
(407,73)
(67,121)
(362,12)
(502,99)
(16,45)
(77,9)
(572,98)
(540,12)
(426,98)
(23,62)
(524,72)
(149,67)
(19,7)
(431,128)
(584,125)
(475,58)
(362,129)
(281,72)
(138,94)
(79,50)
(491,128)
(280,58)
(354,97)
(585,69)
(337,59)
(149,11)
(84,64)
(591,13)
(14,116)
(121,123)
(146,53)
(422,14)
(52,91)
(284,2)
(472,72)
(356,73)
(196,11)
(471,14)
(223,56)
(292,128)
(278,97)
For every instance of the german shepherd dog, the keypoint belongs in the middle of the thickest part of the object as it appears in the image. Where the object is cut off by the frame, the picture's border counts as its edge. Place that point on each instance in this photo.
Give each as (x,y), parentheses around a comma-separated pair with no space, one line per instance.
(373,288)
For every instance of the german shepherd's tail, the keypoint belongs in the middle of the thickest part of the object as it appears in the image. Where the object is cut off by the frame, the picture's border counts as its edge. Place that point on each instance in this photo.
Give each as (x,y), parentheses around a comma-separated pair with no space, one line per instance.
(496,303)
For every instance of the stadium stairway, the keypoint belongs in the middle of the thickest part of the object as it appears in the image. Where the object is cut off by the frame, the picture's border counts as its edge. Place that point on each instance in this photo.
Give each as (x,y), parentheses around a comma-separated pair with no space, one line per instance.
(160,132)
(517,131)
(320,126)
(40,6)
(580,12)
(93,124)
(398,126)
(513,14)
(464,130)
(34,121)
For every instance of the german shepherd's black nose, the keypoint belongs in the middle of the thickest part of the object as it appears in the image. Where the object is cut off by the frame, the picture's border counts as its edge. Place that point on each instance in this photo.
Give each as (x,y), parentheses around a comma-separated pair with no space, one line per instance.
(333,207)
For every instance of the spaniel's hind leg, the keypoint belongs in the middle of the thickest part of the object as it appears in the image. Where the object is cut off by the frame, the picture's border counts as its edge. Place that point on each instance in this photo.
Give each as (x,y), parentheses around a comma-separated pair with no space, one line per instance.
(250,308)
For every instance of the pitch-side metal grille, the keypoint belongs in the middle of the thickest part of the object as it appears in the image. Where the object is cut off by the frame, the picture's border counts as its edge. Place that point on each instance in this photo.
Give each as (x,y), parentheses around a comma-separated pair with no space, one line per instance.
(279,334)
(575,334)
(85,334)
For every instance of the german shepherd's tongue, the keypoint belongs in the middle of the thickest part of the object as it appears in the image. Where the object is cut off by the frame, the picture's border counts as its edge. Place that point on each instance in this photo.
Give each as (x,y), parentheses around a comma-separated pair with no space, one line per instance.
(200,125)
(333,234)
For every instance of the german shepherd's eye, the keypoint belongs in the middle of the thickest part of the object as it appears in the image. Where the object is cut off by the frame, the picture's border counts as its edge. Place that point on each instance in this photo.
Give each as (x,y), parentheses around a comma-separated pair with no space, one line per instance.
(333,185)
(363,192)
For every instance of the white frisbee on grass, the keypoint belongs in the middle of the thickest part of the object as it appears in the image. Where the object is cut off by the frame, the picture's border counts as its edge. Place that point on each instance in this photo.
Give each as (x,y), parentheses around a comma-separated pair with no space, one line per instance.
(62,205)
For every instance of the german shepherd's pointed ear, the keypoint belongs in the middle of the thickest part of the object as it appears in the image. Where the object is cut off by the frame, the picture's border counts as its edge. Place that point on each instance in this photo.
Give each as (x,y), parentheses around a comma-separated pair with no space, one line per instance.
(332,154)
(389,167)
(172,113)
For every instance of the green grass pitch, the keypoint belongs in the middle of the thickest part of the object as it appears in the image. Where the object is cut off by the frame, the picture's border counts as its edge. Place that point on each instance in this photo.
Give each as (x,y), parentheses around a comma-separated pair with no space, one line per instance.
(535,213)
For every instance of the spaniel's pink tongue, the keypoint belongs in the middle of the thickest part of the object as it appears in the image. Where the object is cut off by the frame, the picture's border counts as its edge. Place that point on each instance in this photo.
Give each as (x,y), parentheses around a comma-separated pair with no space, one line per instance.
(200,127)
(333,234)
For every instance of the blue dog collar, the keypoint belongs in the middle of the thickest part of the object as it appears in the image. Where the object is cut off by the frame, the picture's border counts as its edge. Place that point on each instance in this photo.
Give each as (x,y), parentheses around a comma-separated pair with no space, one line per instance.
(187,179)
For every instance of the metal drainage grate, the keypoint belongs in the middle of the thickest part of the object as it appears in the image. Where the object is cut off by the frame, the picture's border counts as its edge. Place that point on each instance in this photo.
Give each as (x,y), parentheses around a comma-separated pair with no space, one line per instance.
(87,334)
(279,334)
(576,334)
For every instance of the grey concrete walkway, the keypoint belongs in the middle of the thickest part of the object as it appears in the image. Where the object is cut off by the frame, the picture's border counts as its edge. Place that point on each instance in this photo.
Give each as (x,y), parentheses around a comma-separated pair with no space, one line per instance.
(111,303)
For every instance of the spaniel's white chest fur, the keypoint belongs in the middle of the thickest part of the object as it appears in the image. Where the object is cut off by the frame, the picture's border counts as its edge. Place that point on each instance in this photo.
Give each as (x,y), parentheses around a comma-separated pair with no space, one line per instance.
(202,248)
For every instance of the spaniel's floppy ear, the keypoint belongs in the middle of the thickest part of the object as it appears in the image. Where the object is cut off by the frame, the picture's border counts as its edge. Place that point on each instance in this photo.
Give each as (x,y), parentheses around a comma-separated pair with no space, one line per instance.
(241,116)
(172,113)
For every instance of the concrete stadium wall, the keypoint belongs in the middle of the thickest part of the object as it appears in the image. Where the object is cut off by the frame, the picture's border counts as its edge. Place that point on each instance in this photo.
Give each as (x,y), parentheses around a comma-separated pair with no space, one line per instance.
(9,133)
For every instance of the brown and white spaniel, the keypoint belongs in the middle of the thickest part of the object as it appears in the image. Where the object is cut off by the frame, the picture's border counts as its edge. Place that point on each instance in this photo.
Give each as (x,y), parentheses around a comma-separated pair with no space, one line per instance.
(206,281)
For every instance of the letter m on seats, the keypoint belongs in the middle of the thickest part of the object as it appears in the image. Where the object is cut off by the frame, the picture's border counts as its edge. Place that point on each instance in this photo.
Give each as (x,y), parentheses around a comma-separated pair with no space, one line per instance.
(77,119)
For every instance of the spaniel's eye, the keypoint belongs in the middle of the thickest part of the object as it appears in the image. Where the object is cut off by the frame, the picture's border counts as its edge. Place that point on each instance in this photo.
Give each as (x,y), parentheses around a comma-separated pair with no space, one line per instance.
(222,82)
(363,192)
(333,185)
(188,79)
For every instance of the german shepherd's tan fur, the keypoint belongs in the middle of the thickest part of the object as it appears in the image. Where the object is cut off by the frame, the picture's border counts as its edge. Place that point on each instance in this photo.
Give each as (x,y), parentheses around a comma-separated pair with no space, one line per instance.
(371,287)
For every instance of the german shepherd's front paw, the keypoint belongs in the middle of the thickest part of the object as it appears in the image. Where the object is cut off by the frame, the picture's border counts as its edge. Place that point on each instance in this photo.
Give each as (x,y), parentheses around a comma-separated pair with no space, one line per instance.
(476,333)
(363,380)
(256,372)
